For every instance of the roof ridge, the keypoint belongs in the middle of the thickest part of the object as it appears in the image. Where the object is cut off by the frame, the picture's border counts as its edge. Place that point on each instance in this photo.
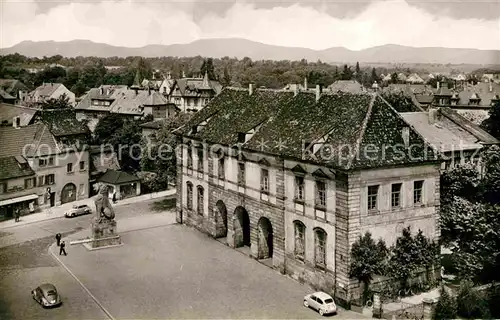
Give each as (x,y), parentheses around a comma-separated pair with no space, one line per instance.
(363,129)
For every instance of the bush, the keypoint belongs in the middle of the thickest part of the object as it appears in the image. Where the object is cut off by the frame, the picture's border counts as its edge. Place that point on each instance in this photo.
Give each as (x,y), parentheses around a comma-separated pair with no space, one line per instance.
(446,307)
(470,303)
(494,301)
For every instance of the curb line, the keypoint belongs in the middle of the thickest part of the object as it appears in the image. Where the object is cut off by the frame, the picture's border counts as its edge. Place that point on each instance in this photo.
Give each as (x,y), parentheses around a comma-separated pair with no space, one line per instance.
(62,216)
(81,284)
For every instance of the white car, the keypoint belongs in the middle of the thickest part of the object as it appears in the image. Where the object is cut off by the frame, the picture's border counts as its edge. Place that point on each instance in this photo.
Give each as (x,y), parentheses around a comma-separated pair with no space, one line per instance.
(78,210)
(321,302)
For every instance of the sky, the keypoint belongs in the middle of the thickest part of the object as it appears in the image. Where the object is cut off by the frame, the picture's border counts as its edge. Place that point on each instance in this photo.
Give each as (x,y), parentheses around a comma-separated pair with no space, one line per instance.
(317,24)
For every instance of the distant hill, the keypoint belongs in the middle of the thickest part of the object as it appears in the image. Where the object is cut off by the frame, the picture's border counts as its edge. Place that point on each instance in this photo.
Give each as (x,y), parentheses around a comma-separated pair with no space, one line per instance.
(241,48)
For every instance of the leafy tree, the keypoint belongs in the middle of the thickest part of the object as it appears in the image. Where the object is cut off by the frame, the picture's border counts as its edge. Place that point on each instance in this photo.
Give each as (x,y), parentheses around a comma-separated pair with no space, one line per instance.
(409,255)
(492,123)
(446,307)
(368,259)
(107,127)
(161,156)
(493,299)
(346,73)
(394,78)
(374,76)
(226,78)
(208,68)
(461,181)
(126,140)
(62,102)
(470,305)
(490,185)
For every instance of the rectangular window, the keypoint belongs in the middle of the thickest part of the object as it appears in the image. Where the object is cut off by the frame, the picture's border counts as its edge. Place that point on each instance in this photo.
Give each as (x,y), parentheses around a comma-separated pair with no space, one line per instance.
(200,201)
(29,183)
(51,161)
(299,188)
(241,173)
(321,193)
(189,157)
(300,240)
(189,196)
(320,248)
(418,187)
(372,197)
(50,179)
(40,181)
(82,189)
(69,167)
(221,169)
(42,162)
(396,195)
(264,180)
(200,160)
(82,165)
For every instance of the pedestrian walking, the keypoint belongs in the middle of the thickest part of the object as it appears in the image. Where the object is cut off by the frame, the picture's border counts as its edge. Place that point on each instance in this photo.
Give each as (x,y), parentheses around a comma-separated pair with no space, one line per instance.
(16,215)
(62,248)
(114,197)
(58,239)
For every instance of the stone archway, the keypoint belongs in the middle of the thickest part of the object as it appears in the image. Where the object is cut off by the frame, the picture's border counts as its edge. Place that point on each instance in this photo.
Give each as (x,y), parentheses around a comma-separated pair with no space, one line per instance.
(68,193)
(265,239)
(220,219)
(241,225)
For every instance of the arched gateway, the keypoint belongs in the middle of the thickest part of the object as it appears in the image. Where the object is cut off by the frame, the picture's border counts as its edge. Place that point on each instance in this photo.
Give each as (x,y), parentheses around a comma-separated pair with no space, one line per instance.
(241,225)
(221,219)
(68,193)
(265,239)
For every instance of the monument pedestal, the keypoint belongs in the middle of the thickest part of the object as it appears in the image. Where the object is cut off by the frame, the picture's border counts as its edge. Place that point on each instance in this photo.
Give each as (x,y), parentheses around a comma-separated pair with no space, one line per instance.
(104,234)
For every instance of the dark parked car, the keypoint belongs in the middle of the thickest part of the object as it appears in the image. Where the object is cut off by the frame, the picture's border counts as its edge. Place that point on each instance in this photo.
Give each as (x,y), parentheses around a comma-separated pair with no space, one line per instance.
(46,295)
(78,210)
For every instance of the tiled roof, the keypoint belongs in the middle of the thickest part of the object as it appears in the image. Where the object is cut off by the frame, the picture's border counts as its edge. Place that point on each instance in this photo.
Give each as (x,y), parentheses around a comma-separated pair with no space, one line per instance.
(9,111)
(12,86)
(443,91)
(118,177)
(5,95)
(409,88)
(348,122)
(28,141)
(10,168)
(414,78)
(445,135)
(482,90)
(62,122)
(104,92)
(346,86)
(154,99)
(424,98)
(194,86)
(156,124)
(46,89)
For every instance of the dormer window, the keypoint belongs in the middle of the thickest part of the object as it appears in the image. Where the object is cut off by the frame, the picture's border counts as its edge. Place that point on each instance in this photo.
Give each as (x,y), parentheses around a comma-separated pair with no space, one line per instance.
(405,133)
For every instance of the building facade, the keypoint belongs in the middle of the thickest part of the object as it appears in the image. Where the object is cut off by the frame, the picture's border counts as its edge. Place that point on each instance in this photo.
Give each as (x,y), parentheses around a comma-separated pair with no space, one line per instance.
(49,91)
(282,174)
(192,94)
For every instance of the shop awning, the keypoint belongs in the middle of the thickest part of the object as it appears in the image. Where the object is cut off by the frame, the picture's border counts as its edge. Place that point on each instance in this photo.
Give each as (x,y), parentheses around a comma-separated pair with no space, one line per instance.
(18,199)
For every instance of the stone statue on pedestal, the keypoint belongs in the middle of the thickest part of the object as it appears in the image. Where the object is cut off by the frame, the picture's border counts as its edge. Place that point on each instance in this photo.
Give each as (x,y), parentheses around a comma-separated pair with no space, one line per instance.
(104,210)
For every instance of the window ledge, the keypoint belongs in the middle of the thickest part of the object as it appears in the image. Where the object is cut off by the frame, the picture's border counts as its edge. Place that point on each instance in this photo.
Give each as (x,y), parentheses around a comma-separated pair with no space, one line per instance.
(299,201)
(373,212)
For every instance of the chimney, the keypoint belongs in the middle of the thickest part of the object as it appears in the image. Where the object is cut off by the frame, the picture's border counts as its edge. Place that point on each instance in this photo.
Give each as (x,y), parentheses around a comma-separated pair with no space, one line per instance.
(318,92)
(305,83)
(433,112)
(491,87)
(16,123)
(295,89)
(102,90)
(405,133)
(437,85)
(250,89)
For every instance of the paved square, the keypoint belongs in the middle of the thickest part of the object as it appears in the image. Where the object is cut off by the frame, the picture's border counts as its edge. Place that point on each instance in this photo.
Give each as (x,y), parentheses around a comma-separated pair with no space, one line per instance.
(176,272)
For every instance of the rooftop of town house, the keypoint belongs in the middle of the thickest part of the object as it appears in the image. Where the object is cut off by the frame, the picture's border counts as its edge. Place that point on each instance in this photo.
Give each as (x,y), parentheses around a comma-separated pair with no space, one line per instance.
(447,131)
(9,111)
(352,86)
(46,89)
(11,86)
(14,167)
(196,86)
(104,92)
(32,140)
(62,122)
(283,121)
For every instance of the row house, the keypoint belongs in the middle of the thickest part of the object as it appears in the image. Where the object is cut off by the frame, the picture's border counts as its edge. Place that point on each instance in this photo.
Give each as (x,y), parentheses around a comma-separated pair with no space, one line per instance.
(132,103)
(40,169)
(294,178)
(192,94)
(49,91)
